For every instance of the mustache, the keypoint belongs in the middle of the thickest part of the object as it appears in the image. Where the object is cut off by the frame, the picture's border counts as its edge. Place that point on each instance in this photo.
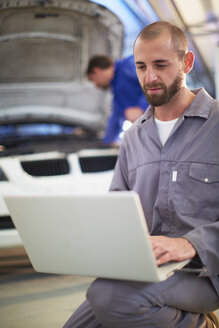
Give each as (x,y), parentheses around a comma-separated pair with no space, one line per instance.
(153,85)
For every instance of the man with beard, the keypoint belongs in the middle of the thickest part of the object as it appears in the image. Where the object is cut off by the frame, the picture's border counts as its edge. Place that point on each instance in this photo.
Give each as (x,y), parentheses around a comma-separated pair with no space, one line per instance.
(170,157)
(128,100)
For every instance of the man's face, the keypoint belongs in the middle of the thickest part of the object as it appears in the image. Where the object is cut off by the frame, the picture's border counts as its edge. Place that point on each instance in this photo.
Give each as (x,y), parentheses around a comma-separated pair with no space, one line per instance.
(167,92)
(159,70)
(100,77)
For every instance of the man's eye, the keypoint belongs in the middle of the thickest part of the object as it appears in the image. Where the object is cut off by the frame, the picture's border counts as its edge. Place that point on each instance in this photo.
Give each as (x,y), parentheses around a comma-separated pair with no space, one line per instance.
(141,67)
(161,66)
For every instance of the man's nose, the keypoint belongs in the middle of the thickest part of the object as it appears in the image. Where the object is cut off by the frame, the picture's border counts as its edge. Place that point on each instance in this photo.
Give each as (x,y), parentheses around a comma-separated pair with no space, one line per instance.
(150,75)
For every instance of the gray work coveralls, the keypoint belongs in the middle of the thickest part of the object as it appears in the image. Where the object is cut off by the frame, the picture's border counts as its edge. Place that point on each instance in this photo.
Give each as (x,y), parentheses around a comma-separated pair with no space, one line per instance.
(178,185)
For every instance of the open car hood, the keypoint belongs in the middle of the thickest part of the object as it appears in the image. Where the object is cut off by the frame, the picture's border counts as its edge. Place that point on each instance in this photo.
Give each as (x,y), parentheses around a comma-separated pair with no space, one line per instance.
(44,50)
(72,104)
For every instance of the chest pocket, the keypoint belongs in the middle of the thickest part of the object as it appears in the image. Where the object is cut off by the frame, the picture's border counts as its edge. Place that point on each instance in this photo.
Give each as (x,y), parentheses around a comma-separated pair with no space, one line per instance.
(196,191)
(207,173)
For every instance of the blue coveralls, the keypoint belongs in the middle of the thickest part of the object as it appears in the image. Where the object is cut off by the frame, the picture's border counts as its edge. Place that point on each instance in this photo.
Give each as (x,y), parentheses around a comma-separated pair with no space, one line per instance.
(127,92)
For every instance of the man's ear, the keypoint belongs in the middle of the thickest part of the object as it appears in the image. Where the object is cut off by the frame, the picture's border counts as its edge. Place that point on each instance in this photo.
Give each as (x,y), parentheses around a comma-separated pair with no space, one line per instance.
(188,61)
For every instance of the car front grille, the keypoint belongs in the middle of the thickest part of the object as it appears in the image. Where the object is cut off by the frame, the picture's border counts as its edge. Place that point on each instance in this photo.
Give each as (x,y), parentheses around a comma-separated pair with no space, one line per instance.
(92,164)
(48,167)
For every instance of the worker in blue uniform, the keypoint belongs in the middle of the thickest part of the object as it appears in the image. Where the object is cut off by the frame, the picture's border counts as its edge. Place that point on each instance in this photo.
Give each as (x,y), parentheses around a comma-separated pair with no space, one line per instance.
(128,101)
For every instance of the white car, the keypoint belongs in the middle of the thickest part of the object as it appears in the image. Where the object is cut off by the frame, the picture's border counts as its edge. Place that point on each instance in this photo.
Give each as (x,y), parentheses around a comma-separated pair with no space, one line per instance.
(52,172)
(52,119)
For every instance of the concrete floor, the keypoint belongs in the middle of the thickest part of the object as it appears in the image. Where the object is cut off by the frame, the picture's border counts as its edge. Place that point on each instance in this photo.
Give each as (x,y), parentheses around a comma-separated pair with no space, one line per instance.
(36,300)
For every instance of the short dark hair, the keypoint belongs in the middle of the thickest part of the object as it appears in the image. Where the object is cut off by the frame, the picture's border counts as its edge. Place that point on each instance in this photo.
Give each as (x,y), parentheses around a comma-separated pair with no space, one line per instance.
(158,28)
(101,61)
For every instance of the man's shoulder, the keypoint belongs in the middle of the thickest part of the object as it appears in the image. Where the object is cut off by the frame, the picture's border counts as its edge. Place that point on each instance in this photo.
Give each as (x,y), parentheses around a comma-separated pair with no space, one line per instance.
(135,126)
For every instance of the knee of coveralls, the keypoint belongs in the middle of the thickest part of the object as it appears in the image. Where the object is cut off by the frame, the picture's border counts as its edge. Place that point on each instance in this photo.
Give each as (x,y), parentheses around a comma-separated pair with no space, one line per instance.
(115,309)
(116,304)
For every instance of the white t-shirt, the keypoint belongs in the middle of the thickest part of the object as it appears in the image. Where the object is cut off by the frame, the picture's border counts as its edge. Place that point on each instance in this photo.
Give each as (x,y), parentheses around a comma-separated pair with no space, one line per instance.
(164,128)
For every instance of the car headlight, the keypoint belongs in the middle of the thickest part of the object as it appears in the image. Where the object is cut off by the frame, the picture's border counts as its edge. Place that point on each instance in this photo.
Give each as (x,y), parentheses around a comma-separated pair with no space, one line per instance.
(3,176)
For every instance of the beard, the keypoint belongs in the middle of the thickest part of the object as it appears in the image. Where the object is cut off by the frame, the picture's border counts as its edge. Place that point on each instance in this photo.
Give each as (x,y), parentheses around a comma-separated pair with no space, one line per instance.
(168,92)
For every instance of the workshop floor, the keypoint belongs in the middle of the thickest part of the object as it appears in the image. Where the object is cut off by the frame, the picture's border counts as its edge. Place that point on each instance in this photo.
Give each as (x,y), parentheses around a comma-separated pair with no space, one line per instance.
(31,299)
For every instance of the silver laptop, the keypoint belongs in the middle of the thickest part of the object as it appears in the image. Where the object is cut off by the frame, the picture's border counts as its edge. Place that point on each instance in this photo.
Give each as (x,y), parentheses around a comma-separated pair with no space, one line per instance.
(93,235)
